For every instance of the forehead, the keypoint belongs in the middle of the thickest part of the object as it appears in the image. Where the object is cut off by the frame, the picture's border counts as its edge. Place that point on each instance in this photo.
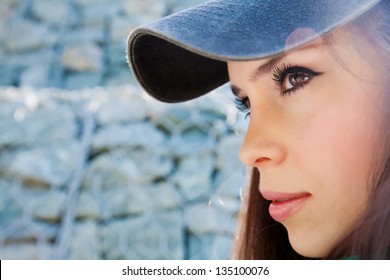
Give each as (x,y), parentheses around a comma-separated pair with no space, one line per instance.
(266,65)
(344,51)
(340,43)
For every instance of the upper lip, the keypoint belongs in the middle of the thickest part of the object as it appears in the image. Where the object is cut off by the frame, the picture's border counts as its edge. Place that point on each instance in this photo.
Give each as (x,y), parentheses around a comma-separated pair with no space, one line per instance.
(278,196)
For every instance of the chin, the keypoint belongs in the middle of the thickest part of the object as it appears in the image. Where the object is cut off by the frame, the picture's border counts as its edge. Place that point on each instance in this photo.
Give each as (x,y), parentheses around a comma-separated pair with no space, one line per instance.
(309,252)
(309,247)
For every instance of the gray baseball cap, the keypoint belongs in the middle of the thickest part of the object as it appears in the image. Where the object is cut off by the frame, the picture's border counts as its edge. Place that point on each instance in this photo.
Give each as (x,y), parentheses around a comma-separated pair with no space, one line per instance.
(183,56)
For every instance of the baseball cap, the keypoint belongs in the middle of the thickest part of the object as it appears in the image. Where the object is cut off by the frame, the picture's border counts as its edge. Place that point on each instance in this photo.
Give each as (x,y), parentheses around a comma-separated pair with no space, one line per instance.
(184,55)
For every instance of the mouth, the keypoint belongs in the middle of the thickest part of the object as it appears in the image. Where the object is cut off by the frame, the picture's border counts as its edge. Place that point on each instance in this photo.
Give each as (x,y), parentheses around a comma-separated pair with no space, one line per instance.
(284,205)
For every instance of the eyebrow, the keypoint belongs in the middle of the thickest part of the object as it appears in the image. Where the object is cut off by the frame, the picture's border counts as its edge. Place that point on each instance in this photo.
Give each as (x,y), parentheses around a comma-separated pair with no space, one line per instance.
(261,70)
(268,66)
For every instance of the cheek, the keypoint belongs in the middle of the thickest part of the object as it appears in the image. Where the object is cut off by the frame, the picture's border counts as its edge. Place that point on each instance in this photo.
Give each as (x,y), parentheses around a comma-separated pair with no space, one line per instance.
(333,153)
(335,147)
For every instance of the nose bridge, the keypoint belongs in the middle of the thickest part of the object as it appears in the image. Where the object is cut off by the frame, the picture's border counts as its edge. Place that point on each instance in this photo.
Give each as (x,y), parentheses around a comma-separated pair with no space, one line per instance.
(263,144)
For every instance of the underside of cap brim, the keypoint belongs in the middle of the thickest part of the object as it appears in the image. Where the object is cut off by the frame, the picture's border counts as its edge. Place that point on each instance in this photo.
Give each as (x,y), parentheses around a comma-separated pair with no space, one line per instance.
(184,56)
(171,73)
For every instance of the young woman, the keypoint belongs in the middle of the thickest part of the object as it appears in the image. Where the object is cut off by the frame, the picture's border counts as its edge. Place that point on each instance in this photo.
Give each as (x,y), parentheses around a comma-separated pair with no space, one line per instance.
(314,78)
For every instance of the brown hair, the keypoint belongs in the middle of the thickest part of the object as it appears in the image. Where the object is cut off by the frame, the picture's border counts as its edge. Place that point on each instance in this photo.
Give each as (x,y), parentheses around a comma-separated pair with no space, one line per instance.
(260,237)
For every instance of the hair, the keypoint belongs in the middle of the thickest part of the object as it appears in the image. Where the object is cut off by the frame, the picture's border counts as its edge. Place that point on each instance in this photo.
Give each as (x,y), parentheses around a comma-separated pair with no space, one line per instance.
(260,237)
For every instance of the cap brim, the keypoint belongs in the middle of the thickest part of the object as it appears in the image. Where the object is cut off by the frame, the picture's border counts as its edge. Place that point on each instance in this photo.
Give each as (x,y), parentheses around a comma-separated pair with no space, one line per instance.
(183,56)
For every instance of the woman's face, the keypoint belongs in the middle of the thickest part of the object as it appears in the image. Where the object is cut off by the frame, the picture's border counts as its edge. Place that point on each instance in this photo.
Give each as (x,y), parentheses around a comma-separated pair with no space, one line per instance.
(312,134)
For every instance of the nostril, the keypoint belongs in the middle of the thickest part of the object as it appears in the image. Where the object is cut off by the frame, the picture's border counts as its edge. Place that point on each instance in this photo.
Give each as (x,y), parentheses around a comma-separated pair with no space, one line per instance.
(262,160)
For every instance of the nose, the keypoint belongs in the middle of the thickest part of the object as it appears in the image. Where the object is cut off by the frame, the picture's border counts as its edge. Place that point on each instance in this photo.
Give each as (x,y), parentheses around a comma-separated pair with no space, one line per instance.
(261,146)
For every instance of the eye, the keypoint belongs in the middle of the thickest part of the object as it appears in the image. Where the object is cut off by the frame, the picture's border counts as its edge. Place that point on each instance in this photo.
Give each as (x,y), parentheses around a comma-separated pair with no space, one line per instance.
(295,80)
(243,105)
(292,78)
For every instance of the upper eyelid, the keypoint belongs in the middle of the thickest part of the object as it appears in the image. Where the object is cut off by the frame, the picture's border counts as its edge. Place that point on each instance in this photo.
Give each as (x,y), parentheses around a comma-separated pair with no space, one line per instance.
(243,103)
(277,60)
(237,92)
(279,63)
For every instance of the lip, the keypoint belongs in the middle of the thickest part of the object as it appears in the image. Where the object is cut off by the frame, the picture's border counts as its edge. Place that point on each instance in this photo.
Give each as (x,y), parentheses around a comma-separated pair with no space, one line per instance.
(284,205)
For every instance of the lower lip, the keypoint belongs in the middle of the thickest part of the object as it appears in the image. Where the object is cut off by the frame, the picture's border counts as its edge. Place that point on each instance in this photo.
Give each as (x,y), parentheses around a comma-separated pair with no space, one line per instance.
(281,210)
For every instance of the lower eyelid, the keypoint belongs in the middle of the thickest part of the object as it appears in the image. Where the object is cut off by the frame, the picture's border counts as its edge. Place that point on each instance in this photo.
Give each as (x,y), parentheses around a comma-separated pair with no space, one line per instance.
(291,91)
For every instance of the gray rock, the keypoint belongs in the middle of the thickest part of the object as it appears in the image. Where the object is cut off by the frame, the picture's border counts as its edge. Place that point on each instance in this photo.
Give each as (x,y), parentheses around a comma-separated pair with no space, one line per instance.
(35,36)
(117,55)
(157,237)
(153,162)
(230,192)
(129,201)
(49,206)
(24,252)
(25,228)
(223,247)
(82,80)
(120,76)
(7,8)
(30,122)
(107,172)
(210,247)
(89,3)
(137,134)
(190,139)
(32,58)
(228,154)
(35,76)
(163,197)
(85,242)
(194,182)
(171,224)
(89,206)
(121,107)
(136,171)
(97,14)
(11,207)
(146,157)
(227,204)
(49,166)
(199,246)
(120,27)
(6,75)
(181,5)
(85,56)
(204,219)
(232,185)
(86,34)
(122,168)
(215,106)
(170,118)
(146,10)
(50,11)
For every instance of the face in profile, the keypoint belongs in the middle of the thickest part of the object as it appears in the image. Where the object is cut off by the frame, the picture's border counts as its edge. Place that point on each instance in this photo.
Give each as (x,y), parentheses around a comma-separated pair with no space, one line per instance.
(314,121)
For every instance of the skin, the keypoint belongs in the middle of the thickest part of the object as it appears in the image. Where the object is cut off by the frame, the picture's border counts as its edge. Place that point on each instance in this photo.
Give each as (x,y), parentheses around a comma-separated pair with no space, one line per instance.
(318,140)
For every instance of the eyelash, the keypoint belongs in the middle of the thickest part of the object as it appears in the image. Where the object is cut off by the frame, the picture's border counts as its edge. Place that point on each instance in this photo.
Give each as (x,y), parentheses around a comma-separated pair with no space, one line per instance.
(243,105)
(280,74)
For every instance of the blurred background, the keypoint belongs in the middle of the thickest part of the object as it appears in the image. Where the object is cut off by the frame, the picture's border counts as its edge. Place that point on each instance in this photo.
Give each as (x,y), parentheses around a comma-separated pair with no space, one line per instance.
(90,166)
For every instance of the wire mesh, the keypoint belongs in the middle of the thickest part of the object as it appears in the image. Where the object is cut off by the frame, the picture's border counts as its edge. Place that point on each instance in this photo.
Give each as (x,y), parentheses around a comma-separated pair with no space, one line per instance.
(92,168)
(166,186)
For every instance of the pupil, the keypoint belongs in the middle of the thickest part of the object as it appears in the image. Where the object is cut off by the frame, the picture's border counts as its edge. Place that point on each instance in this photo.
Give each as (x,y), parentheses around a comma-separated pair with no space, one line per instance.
(297,79)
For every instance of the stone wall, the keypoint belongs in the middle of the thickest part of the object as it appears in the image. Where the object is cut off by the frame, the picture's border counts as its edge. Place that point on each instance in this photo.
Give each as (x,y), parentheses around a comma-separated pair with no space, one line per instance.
(72,44)
(106,173)
(91,168)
